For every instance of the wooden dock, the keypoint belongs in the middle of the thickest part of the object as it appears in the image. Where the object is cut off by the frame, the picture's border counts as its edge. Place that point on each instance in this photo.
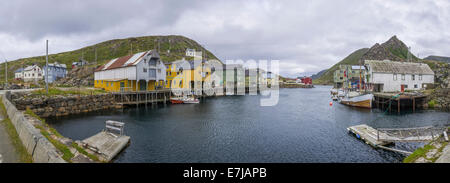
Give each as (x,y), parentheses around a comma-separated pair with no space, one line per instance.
(380,138)
(368,135)
(398,101)
(109,142)
(106,145)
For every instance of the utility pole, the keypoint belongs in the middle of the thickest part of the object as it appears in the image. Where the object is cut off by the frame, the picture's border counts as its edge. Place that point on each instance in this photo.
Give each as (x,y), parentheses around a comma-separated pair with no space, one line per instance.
(6,73)
(95,62)
(46,68)
(131,50)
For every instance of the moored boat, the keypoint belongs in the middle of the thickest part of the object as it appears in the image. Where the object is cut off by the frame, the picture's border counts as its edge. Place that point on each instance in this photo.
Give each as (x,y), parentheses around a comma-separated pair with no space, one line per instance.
(185,100)
(363,100)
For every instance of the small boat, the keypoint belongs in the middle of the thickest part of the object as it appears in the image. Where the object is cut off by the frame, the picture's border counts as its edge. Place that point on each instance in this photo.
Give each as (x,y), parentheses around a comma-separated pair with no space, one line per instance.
(184,100)
(357,100)
(191,101)
(176,101)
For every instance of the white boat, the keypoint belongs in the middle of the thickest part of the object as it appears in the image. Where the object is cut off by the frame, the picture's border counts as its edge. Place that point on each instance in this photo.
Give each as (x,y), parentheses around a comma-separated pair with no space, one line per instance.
(190,101)
(357,100)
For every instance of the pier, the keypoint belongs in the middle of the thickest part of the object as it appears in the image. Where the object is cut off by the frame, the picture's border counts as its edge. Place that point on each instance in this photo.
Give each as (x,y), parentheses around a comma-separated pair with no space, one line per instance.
(141,97)
(382,137)
(398,101)
(109,142)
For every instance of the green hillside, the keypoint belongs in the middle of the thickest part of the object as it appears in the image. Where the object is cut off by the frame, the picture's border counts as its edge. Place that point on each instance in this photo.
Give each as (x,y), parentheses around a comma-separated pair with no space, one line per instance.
(115,48)
(352,59)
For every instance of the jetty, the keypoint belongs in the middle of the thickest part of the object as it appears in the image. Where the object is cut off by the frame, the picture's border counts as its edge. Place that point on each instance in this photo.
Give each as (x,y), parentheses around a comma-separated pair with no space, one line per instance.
(142,97)
(109,142)
(398,101)
(382,137)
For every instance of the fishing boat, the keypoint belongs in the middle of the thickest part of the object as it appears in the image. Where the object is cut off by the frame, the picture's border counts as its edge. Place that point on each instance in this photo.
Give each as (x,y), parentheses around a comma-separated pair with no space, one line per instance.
(357,100)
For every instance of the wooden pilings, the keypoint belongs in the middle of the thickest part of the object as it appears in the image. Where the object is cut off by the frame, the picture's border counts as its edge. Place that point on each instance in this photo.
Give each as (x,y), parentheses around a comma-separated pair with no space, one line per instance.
(402,102)
(142,97)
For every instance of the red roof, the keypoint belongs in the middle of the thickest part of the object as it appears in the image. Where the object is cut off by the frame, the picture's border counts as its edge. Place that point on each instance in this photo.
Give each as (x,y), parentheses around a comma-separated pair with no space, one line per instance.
(119,62)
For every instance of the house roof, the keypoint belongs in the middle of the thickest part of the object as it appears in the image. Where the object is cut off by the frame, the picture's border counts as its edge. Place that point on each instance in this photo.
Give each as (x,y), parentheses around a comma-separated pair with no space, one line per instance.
(127,61)
(19,70)
(28,68)
(387,66)
(357,67)
(57,65)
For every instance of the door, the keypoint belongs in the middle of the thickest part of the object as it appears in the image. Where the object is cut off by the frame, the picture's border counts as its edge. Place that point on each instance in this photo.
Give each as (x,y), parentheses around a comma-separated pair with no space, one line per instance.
(403,88)
(142,85)
(122,86)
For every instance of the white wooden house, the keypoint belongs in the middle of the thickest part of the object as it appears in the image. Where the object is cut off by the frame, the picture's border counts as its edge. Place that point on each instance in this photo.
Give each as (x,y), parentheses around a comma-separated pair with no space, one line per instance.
(141,71)
(32,73)
(390,76)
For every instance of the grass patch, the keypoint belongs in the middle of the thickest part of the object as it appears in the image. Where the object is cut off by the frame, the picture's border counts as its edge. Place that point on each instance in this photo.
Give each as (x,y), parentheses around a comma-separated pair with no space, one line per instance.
(432,103)
(82,151)
(14,137)
(439,151)
(67,155)
(71,91)
(420,152)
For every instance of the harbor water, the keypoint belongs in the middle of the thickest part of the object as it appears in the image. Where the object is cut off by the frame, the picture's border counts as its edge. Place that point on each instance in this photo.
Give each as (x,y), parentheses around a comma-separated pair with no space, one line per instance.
(302,127)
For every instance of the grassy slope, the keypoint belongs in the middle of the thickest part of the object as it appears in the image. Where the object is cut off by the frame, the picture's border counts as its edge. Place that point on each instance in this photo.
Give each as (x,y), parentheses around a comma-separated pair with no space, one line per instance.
(327,77)
(112,49)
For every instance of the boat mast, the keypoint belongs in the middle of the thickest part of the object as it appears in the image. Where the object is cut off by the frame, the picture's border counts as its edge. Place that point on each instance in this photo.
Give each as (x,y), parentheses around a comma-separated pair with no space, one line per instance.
(359,76)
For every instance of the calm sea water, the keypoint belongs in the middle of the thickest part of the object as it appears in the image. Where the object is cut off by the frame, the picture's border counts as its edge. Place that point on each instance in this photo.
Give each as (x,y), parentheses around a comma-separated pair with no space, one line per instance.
(301,128)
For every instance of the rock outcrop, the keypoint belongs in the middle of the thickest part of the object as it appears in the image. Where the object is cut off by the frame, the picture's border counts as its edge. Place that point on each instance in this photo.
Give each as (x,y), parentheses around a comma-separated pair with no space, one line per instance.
(81,76)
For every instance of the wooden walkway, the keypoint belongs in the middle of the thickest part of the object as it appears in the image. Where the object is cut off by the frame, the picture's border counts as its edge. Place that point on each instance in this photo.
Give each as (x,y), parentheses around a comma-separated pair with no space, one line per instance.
(380,138)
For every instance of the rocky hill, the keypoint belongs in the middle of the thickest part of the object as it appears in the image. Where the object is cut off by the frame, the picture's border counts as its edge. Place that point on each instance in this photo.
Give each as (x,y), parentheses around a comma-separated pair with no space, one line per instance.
(438,58)
(171,48)
(393,49)
(317,75)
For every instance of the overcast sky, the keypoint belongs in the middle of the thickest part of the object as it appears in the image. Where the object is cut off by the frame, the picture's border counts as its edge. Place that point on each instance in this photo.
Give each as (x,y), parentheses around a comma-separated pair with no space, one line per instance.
(306,36)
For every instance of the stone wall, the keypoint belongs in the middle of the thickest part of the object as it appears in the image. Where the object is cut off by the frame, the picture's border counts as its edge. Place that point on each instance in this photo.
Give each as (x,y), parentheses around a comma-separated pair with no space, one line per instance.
(41,150)
(45,106)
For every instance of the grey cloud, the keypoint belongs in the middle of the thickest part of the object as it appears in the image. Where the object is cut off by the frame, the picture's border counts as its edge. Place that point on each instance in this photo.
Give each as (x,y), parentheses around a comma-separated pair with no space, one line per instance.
(305,36)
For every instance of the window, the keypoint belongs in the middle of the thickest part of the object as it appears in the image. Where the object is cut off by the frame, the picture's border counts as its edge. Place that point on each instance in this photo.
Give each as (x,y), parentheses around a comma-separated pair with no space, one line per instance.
(145,70)
(395,77)
(420,77)
(112,84)
(403,77)
(413,77)
(415,86)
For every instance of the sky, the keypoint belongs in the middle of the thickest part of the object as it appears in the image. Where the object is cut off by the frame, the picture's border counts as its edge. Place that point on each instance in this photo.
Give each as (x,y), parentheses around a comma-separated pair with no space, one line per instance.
(305,36)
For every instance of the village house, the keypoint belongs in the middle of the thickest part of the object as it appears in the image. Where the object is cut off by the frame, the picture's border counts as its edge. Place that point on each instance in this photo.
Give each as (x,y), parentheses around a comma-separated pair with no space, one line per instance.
(390,76)
(55,71)
(234,79)
(348,74)
(139,72)
(32,73)
(80,63)
(18,74)
(190,76)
